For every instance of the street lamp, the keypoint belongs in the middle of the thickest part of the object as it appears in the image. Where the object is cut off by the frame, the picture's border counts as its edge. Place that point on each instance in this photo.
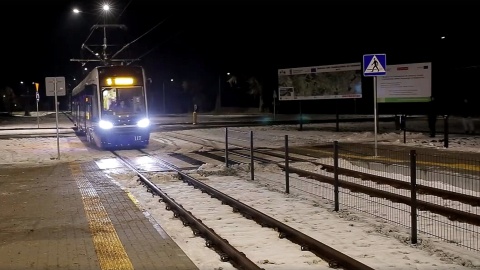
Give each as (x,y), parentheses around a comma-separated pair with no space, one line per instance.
(78,11)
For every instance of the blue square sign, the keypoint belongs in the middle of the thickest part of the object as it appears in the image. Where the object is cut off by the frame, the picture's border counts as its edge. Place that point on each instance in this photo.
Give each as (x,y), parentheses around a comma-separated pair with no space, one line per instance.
(374,65)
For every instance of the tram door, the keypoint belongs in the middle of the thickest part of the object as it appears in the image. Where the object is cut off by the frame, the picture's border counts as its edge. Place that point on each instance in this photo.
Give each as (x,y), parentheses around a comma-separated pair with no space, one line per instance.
(89,91)
(88,110)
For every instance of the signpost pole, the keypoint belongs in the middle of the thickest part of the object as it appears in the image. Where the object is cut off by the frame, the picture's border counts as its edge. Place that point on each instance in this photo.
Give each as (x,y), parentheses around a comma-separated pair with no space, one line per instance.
(54,87)
(375,110)
(375,65)
(37,96)
(38,120)
(56,115)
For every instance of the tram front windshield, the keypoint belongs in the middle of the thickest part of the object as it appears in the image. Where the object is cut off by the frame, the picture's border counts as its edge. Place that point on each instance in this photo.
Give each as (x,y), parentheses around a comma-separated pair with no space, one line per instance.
(123,101)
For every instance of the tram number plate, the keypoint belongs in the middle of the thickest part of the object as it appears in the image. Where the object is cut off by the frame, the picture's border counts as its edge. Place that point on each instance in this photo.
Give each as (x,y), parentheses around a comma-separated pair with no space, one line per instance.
(137,138)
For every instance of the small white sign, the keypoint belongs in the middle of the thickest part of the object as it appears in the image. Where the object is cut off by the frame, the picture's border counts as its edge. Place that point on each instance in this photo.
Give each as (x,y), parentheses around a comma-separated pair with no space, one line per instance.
(53,84)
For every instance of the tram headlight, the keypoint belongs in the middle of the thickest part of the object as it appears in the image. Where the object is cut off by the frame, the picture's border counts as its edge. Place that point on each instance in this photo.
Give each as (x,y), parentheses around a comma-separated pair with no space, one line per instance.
(105,124)
(143,123)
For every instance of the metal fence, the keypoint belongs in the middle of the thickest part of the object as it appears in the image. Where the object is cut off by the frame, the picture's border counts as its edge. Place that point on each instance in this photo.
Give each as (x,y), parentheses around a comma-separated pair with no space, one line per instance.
(446,191)
(424,192)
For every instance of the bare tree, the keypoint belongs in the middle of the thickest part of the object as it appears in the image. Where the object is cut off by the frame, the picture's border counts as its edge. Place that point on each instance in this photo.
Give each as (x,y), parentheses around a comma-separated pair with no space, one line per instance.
(8,99)
(232,81)
(195,90)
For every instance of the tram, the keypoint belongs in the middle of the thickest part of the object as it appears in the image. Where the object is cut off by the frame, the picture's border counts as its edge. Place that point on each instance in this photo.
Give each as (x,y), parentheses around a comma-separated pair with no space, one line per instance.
(109,107)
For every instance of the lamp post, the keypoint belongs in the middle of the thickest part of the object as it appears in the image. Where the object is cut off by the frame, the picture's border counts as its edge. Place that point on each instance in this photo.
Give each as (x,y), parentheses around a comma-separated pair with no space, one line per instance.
(105,8)
(164,108)
(218,103)
(26,95)
(37,98)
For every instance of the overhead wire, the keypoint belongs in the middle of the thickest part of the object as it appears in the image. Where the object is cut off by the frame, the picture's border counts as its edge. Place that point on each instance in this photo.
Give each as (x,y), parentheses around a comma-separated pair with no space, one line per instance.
(91,33)
(99,20)
(141,36)
(163,43)
(135,40)
(119,15)
(160,44)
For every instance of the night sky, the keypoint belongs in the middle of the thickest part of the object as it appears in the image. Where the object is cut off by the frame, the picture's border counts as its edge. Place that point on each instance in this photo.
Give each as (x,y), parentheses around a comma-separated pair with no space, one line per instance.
(208,38)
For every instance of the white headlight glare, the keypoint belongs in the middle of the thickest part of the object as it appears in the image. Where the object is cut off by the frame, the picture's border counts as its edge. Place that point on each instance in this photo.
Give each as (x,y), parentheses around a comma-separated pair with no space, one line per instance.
(143,123)
(105,124)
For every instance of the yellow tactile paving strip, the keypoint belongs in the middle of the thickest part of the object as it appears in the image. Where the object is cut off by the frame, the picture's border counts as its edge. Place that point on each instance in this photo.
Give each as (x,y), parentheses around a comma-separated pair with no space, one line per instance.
(469,167)
(108,247)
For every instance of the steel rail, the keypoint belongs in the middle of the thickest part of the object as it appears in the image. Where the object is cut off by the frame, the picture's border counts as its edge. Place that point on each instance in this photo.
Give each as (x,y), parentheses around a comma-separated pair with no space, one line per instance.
(213,240)
(332,256)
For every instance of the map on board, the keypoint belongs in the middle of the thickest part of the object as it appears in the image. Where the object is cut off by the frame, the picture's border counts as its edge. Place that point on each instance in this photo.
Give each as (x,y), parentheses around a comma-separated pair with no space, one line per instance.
(320,82)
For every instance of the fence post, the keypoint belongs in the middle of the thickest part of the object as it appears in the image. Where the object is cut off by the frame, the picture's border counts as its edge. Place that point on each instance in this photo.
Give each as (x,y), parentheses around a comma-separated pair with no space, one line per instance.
(226,147)
(405,128)
(287,171)
(301,115)
(445,133)
(252,168)
(335,172)
(413,194)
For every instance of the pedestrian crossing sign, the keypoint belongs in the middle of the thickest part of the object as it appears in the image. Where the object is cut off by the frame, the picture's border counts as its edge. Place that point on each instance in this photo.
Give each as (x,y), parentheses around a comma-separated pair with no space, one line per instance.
(374,65)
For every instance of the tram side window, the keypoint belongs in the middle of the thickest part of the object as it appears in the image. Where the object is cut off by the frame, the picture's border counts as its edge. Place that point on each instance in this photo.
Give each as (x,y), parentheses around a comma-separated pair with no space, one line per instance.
(94,105)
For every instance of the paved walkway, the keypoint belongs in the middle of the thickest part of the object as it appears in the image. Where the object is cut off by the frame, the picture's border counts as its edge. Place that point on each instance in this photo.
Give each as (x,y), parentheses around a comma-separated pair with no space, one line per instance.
(71,216)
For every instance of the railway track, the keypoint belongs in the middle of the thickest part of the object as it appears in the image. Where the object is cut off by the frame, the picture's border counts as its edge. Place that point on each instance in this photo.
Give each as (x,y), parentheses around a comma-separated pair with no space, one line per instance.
(227,251)
(448,212)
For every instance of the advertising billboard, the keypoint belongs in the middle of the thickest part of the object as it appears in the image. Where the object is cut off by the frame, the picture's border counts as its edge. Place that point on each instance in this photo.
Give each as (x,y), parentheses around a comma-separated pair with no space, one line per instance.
(320,82)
